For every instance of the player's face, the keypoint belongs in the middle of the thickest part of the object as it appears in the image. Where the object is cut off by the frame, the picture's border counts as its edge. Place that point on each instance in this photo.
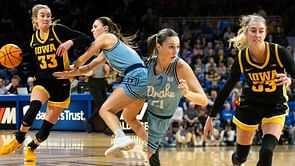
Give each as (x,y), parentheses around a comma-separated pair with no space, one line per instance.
(256,33)
(98,28)
(44,18)
(169,48)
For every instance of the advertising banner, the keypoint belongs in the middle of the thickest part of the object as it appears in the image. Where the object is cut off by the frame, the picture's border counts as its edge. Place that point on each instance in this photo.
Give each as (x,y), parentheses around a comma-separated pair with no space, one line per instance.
(70,119)
(8,115)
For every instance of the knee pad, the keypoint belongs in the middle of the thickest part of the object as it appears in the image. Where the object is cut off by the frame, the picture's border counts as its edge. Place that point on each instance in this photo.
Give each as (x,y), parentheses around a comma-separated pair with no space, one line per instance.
(32,112)
(266,152)
(154,160)
(269,142)
(241,154)
(44,131)
(265,157)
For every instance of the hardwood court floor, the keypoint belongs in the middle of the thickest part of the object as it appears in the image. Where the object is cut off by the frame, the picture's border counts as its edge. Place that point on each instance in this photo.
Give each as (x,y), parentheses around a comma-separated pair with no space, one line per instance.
(80,148)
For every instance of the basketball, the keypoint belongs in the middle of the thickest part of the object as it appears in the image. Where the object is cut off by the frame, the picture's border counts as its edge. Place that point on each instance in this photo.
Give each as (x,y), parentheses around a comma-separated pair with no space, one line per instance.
(10,55)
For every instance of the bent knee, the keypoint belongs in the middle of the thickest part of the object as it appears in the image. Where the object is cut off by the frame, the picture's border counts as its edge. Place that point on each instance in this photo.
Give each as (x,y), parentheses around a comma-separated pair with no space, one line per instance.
(130,120)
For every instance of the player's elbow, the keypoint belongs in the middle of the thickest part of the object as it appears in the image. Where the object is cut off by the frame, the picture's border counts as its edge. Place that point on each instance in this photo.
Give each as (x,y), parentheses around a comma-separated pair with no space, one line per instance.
(203,101)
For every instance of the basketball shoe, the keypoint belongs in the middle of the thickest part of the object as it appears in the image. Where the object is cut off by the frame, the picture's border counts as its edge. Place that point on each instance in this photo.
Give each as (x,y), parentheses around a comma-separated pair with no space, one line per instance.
(30,155)
(120,144)
(12,146)
(235,160)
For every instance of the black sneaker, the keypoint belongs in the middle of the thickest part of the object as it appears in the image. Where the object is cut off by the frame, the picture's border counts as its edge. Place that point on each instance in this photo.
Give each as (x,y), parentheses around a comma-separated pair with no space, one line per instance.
(87,126)
(235,160)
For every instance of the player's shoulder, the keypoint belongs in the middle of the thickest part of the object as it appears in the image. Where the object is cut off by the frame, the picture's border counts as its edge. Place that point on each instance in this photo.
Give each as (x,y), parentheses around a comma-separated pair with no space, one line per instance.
(181,64)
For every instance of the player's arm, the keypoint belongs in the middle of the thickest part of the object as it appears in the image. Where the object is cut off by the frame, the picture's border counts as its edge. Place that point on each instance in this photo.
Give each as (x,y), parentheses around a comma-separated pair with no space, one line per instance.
(99,60)
(69,37)
(234,77)
(189,84)
(65,33)
(104,41)
(82,70)
(288,62)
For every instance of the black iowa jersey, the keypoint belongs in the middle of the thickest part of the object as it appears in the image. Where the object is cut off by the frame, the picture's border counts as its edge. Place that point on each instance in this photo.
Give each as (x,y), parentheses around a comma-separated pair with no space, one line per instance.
(46,60)
(261,84)
(261,87)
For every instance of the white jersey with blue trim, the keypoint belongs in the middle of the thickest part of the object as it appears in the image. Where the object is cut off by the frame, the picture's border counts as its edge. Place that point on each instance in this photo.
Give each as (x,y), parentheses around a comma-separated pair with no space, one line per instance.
(163,93)
(120,57)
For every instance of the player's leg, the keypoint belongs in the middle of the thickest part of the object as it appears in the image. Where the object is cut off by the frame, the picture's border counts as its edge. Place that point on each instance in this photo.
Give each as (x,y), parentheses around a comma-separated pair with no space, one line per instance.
(247,118)
(38,97)
(132,88)
(51,118)
(157,128)
(59,99)
(129,113)
(244,141)
(272,129)
(116,102)
(154,158)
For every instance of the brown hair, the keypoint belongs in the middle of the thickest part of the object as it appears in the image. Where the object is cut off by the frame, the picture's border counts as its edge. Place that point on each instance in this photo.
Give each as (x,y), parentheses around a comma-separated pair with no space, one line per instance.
(160,37)
(116,30)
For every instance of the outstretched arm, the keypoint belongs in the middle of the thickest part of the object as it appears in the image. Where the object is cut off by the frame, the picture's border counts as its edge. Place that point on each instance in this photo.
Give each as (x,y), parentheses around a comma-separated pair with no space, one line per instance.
(104,41)
(234,77)
(69,37)
(82,70)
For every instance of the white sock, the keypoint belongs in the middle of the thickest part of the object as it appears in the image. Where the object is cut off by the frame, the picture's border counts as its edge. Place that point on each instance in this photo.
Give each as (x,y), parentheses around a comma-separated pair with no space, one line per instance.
(119,133)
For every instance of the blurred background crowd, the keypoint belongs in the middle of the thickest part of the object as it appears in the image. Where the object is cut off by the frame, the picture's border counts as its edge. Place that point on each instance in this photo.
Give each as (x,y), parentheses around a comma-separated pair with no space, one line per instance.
(203,26)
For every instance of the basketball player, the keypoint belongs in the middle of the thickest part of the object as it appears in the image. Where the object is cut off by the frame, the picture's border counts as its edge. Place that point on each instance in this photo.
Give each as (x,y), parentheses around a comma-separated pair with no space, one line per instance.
(111,46)
(50,44)
(264,98)
(169,78)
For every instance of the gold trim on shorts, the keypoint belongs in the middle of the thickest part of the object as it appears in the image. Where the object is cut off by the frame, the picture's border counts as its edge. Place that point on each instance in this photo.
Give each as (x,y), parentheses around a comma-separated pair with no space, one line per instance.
(244,126)
(39,87)
(63,104)
(280,119)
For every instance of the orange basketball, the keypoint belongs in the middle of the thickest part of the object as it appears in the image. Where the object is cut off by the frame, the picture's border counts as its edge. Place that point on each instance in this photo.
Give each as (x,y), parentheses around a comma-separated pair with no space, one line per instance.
(10,55)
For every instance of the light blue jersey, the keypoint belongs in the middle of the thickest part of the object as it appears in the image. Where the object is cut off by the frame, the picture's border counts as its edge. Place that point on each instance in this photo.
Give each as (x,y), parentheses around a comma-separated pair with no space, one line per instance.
(163,97)
(163,93)
(120,57)
(129,65)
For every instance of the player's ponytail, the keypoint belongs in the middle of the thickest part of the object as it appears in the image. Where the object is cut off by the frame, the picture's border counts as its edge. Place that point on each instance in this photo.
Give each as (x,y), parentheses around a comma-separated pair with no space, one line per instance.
(151,45)
(116,30)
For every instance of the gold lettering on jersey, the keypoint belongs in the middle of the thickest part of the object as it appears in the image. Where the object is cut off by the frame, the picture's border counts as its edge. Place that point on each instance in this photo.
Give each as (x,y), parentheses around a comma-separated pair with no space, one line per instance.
(49,48)
(263,81)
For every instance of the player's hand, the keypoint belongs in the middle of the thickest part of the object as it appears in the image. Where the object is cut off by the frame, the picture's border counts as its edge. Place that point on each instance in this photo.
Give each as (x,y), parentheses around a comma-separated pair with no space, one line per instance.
(183,87)
(208,127)
(63,74)
(85,71)
(63,48)
(282,78)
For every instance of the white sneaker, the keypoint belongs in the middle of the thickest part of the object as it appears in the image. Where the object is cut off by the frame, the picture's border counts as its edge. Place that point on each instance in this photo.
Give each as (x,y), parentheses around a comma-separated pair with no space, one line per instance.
(120,144)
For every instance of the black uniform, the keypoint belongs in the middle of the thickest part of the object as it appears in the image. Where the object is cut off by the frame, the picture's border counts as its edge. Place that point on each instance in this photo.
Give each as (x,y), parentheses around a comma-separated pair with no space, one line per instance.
(261,97)
(47,62)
